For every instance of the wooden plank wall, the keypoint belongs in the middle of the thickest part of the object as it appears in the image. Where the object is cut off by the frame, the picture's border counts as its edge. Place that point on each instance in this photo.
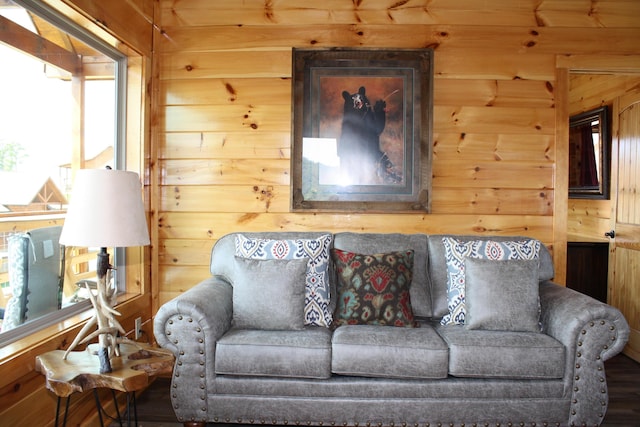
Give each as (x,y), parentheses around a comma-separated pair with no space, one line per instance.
(588,220)
(224,113)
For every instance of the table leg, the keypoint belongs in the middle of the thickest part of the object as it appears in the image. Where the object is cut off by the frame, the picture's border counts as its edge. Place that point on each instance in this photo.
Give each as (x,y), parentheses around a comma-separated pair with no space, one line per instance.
(58,410)
(115,403)
(131,401)
(98,406)
(135,409)
(66,411)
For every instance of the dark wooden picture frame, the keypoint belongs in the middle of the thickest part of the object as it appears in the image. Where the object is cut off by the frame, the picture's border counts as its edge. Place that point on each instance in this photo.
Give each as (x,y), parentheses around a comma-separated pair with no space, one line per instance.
(362,130)
(590,154)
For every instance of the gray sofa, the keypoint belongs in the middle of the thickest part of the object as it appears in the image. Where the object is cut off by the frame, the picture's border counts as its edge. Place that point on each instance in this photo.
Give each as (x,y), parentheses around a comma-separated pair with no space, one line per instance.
(372,374)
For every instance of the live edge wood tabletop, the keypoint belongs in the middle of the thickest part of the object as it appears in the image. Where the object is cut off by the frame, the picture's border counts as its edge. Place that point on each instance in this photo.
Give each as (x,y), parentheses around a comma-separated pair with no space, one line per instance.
(132,370)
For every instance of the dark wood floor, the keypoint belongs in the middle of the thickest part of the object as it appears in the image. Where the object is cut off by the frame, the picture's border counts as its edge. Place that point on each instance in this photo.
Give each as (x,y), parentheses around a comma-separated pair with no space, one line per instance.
(623,379)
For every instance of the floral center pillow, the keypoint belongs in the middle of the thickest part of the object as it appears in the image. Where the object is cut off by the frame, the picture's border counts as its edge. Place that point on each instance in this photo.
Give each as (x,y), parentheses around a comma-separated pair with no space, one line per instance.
(374,289)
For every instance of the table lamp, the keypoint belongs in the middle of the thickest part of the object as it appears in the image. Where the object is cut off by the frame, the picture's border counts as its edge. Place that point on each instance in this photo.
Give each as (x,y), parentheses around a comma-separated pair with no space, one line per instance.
(105,210)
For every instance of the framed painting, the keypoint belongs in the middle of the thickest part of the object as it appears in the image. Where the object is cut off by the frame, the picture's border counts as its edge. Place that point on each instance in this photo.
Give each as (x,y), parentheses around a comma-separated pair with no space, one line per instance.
(361,130)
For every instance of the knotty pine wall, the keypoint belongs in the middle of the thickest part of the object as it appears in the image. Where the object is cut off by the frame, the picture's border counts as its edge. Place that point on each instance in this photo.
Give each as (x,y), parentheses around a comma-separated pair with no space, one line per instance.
(588,220)
(223,131)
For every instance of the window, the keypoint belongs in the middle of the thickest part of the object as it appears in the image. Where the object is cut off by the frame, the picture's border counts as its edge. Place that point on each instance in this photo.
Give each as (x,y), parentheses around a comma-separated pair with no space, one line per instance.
(63,96)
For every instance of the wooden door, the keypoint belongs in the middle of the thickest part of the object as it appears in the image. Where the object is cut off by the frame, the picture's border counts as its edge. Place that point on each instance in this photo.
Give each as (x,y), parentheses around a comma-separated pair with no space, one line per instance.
(624,276)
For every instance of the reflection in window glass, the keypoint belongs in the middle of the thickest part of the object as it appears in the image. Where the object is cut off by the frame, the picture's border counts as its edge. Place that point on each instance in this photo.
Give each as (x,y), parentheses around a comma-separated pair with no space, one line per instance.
(57,115)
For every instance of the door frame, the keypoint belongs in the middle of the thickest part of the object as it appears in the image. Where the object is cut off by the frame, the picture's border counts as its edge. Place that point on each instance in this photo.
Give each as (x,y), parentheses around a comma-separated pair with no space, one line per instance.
(566,64)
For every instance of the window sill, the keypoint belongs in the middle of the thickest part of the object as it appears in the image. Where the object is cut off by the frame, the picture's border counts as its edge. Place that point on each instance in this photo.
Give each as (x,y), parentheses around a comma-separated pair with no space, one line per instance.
(60,334)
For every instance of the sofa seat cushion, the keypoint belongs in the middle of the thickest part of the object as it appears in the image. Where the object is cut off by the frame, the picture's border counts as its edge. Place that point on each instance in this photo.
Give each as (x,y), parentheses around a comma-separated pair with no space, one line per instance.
(293,354)
(383,352)
(500,354)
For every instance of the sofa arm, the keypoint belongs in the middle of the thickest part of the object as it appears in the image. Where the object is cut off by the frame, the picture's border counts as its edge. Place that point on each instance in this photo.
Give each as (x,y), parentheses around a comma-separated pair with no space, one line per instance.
(591,332)
(189,326)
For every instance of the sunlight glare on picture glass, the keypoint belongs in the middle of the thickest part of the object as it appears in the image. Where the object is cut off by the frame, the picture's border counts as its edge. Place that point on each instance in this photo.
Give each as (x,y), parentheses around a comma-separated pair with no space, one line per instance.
(324,153)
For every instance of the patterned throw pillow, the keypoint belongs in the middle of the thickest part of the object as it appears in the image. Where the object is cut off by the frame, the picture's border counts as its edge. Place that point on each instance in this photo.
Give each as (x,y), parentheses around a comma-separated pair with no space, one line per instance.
(374,289)
(457,250)
(317,292)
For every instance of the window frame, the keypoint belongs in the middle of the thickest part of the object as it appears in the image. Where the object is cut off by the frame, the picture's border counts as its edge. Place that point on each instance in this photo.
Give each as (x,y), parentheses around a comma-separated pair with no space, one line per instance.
(121,60)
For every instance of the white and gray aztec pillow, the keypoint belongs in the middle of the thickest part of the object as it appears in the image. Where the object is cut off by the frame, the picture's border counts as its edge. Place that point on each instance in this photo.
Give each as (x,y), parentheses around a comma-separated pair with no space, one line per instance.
(457,250)
(317,289)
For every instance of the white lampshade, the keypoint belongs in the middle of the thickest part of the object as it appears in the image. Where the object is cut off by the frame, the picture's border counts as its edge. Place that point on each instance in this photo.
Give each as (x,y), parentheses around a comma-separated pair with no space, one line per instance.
(106,210)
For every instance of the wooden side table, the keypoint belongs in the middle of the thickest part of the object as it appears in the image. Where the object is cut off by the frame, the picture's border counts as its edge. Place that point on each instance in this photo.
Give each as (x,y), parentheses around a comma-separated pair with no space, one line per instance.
(132,370)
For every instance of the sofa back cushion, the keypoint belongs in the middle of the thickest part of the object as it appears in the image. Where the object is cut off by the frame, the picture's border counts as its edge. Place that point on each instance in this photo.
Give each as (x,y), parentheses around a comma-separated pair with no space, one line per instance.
(375,243)
(429,284)
(438,266)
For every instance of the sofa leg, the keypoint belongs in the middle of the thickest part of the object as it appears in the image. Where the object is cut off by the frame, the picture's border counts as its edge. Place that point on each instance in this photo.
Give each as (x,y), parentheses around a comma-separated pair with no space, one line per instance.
(195,424)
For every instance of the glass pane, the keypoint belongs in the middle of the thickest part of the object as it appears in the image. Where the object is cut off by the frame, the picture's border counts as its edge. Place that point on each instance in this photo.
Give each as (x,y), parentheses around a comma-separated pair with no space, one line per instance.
(57,114)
